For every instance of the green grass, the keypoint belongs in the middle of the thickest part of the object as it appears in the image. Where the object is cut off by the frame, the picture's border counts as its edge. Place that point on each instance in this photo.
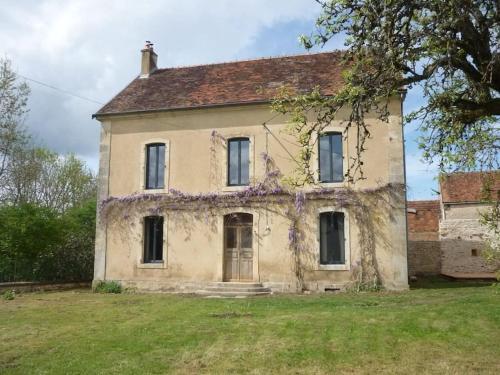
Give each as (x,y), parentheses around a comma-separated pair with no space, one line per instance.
(431,329)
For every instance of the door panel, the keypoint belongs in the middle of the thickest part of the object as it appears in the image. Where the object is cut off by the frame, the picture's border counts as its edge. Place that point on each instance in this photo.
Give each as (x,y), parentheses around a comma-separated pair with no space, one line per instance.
(238,252)
(246,253)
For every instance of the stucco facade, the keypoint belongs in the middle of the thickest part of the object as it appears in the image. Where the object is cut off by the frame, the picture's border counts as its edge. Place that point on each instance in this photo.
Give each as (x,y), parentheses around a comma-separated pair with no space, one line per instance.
(195,142)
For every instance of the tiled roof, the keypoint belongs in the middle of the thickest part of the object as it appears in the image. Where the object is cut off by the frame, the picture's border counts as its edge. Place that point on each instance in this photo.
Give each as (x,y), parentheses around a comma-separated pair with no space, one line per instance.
(468,186)
(237,82)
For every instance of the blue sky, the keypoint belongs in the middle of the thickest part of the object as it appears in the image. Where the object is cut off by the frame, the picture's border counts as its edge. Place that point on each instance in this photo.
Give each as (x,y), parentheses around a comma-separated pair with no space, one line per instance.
(91,48)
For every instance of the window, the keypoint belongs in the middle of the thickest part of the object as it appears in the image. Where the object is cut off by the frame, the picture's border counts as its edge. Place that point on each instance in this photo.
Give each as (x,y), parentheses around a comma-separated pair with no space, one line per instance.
(155,166)
(238,161)
(332,240)
(153,239)
(330,158)
(474,252)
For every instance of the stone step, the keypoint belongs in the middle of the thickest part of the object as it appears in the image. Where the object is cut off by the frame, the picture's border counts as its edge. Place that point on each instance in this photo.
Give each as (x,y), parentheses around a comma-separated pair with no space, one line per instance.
(241,294)
(234,289)
(238,289)
(230,284)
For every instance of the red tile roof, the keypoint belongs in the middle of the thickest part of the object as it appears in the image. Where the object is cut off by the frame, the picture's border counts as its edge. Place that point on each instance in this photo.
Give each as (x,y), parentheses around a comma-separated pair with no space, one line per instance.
(468,186)
(239,82)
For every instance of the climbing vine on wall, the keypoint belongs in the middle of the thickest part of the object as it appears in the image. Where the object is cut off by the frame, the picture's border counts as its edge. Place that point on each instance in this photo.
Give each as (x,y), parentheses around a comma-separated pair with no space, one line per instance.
(369,207)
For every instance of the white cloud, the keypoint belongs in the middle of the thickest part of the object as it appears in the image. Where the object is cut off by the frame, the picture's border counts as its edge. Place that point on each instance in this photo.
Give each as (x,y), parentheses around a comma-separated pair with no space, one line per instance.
(91,47)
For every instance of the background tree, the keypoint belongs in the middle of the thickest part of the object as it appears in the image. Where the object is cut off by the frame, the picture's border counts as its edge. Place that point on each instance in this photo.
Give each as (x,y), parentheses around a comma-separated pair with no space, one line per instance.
(42,177)
(450,49)
(13,108)
(47,201)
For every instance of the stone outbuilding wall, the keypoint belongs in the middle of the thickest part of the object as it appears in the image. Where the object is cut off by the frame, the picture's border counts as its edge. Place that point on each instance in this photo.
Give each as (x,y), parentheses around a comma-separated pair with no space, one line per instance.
(424,247)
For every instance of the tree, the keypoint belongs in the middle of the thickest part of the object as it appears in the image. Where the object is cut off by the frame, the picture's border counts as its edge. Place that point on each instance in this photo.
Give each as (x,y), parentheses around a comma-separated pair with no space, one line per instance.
(13,107)
(42,177)
(449,49)
(40,244)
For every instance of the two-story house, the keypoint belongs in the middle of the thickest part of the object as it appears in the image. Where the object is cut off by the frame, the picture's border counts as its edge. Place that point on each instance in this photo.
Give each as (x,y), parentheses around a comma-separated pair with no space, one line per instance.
(191,186)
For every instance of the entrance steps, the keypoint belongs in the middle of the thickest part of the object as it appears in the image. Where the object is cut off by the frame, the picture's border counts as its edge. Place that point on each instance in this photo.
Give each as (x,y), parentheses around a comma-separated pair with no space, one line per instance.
(233,289)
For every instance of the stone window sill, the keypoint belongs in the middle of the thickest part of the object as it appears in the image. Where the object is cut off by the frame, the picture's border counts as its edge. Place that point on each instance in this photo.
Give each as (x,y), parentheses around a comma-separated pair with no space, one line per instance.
(333,267)
(152,265)
(235,188)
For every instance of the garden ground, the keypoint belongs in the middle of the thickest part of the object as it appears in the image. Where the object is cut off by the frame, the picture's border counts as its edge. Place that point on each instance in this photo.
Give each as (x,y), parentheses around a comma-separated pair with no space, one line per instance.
(437,327)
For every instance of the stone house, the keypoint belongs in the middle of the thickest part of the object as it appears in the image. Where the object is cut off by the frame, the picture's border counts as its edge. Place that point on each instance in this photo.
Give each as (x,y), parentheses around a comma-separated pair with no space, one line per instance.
(191,186)
(445,235)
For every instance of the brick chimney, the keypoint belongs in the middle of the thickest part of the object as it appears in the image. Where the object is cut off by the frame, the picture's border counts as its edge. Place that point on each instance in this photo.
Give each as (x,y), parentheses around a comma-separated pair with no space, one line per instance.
(148,60)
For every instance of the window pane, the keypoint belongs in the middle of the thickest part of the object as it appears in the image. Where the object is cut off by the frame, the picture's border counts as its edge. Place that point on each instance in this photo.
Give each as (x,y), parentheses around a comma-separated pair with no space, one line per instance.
(151,167)
(324,159)
(231,238)
(153,239)
(155,168)
(330,158)
(244,152)
(233,162)
(332,246)
(246,237)
(161,167)
(158,233)
(336,151)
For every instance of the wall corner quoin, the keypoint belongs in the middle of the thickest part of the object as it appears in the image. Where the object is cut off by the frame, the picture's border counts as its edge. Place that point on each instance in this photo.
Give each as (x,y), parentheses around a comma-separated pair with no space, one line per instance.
(102,194)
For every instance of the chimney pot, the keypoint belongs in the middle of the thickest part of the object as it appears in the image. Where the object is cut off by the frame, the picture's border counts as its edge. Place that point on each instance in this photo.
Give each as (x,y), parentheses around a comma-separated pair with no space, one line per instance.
(148,60)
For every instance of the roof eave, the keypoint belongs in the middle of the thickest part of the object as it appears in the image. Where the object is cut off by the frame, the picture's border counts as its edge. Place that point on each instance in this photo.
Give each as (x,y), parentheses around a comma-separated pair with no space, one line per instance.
(98,115)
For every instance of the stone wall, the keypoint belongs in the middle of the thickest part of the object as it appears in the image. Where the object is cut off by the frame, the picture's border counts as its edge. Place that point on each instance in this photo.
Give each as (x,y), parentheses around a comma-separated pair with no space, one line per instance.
(461,245)
(424,258)
(424,251)
(460,256)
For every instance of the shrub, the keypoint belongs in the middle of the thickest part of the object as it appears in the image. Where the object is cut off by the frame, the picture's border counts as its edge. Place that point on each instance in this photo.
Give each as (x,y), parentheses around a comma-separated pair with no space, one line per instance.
(9,295)
(108,287)
(40,244)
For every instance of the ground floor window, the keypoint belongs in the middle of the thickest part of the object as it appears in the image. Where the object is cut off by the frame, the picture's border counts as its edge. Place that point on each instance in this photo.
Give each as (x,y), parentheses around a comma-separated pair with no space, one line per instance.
(153,239)
(332,239)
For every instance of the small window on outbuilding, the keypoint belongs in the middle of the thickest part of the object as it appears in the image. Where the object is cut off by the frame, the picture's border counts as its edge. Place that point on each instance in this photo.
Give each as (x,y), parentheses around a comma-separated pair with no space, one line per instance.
(153,239)
(474,253)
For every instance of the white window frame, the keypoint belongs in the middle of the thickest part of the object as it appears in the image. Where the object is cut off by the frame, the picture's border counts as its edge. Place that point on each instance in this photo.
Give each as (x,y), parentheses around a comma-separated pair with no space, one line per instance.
(315,159)
(143,162)
(140,255)
(347,244)
(251,163)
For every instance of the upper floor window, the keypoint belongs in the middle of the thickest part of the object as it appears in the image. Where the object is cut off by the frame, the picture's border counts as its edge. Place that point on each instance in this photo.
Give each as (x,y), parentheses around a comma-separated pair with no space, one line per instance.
(155,166)
(332,239)
(330,158)
(153,239)
(238,161)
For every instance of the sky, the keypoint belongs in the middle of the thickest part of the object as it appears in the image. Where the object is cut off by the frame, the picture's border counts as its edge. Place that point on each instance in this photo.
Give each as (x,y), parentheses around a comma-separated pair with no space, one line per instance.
(91,48)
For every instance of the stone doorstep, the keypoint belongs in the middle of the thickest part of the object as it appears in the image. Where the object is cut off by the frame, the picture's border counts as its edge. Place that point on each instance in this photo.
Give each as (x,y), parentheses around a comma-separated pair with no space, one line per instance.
(232,285)
(233,289)
(206,293)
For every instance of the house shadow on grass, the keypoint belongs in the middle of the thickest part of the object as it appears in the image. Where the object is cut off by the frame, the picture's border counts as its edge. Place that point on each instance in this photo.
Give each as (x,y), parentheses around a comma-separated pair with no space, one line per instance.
(440,282)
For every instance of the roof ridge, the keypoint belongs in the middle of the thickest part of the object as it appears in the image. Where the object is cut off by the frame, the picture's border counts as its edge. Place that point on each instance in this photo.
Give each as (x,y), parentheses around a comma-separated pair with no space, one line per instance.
(275,57)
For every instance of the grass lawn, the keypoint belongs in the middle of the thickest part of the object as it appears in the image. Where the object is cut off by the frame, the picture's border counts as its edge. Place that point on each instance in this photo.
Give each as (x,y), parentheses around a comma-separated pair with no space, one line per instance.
(438,327)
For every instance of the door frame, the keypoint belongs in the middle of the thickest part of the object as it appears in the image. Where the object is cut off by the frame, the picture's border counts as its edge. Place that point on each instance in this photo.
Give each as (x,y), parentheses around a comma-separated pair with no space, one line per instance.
(255,241)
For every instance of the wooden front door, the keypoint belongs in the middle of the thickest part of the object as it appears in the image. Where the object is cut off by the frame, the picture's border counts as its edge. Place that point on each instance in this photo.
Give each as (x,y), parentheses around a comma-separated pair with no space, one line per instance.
(238,252)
